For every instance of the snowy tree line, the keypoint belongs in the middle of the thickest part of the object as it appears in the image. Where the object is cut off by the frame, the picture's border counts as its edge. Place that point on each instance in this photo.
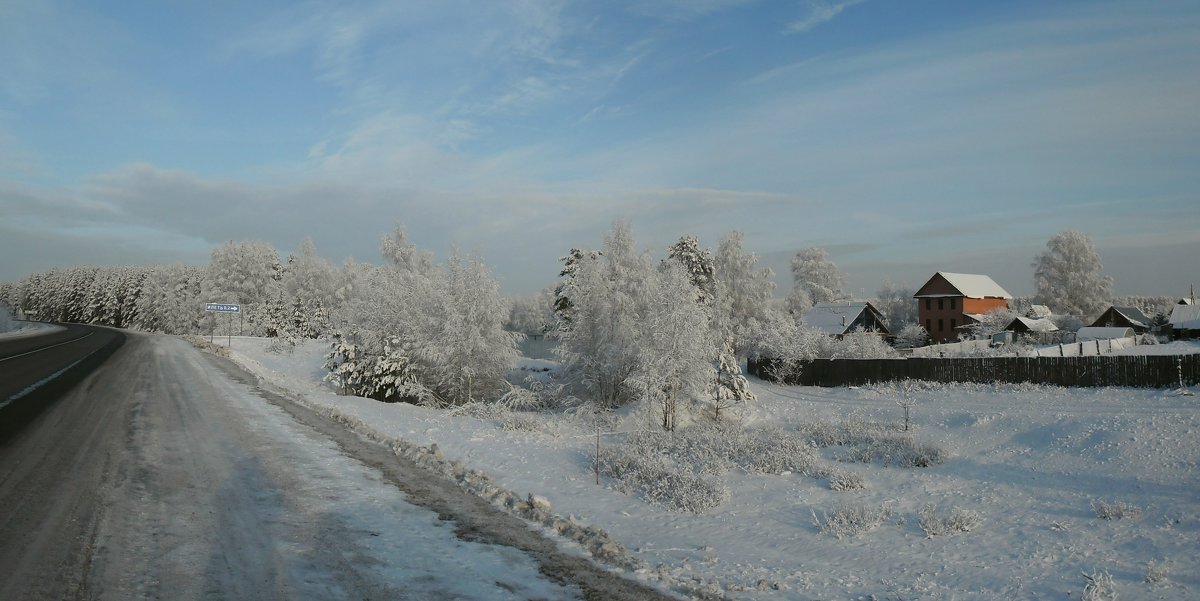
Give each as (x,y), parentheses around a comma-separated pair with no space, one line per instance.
(291,298)
(670,333)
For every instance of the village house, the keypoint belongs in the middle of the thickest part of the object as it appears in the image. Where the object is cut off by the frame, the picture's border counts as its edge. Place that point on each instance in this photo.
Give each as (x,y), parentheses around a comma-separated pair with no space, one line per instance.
(839,319)
(1123,317)
(949,301)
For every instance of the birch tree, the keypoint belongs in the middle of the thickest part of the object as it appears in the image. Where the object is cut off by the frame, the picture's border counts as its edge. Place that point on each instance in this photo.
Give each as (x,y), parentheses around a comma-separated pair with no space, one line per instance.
(1070,278)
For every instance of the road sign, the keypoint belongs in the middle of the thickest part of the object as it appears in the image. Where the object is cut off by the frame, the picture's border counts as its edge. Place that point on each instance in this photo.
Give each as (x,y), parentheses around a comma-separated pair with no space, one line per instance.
(223,308)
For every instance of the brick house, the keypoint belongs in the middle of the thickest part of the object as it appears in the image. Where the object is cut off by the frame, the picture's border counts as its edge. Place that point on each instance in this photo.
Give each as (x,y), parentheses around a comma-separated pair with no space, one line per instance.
(949,301)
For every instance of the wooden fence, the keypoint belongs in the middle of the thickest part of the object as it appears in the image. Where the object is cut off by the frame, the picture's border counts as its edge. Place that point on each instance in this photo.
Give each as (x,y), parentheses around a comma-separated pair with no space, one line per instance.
(1120,370)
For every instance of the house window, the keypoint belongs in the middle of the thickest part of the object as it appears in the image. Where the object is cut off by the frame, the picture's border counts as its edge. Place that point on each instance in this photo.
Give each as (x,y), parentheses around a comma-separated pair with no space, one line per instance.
(928,325)
(941,304)
(953,301)
(953,323)
(928,304)
(940,324)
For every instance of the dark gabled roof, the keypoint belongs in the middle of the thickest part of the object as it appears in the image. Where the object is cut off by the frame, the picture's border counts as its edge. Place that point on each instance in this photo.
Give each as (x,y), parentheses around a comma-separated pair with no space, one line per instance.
(970,285)
(1133,314)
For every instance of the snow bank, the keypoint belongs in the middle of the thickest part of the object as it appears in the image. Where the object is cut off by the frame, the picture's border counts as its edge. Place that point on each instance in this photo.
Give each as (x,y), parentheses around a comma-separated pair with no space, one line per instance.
(1009,513)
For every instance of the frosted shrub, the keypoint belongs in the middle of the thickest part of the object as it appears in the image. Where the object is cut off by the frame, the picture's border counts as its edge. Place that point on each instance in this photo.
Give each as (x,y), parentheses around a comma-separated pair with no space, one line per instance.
(1116,510)
(898,450)
(1156,572)
(841,480)
(642,470)
(954,521)
(682,470)
(873,442)
(1099,587)
(850,520)
(774,452)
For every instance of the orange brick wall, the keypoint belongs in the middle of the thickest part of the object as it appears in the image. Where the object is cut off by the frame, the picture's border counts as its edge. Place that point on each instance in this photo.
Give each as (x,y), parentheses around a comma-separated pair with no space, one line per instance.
(983,305)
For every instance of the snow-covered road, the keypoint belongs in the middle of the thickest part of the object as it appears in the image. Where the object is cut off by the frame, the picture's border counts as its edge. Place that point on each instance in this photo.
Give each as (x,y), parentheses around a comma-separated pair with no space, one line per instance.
(162,476)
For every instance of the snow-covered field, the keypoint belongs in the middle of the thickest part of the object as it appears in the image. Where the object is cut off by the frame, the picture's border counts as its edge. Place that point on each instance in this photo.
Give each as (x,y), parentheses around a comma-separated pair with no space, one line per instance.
(1035,464)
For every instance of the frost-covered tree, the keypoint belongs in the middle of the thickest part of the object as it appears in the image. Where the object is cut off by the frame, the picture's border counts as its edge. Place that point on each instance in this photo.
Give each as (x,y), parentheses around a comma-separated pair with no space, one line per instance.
(743,291)
(171,300)
(912,336)
(1070,278)
(310,282)
(698,264)
(815,272)
(897,305)
(608,294)
(731,388)
(416,332)
(797,302)
(403,254)
(248,273)
(457,333)
(532,314)
(674,348)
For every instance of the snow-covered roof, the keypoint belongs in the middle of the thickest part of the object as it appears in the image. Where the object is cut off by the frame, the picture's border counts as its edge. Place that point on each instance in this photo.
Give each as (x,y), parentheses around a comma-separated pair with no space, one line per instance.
(1094,333)
(1035,325)
(973,285)
(1185,317)
(833,318)
(1134,315)
(1039,311)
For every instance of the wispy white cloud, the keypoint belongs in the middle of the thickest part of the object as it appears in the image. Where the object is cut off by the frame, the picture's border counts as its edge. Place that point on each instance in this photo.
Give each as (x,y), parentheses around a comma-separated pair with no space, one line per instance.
(820,11)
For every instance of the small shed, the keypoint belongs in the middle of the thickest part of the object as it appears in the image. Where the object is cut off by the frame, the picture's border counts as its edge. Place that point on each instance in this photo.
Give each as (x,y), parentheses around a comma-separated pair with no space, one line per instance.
(839,319)
(1102,333)
(1127,317)
(1041,331)
(1024,325)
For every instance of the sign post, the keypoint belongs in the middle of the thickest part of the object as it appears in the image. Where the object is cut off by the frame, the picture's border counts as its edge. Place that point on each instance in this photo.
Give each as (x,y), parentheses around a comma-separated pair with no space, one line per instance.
(229,309)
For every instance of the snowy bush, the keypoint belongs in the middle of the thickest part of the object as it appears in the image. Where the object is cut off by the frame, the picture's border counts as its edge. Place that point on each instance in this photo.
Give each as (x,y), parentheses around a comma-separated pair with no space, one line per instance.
(853,519)
(1156,572)
(1116,510)
(952,521)
(698,456)
(873,442)
(643,470)
(504,417)
(896,449)
(1099,586)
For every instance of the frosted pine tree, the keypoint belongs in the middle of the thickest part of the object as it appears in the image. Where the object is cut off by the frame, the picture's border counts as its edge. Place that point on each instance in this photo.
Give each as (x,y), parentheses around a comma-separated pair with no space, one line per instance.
(698,264)
(562,301)
(731,388)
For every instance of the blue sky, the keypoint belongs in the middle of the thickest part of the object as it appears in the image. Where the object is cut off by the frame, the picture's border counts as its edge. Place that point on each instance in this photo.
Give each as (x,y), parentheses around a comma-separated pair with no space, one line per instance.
(905,137)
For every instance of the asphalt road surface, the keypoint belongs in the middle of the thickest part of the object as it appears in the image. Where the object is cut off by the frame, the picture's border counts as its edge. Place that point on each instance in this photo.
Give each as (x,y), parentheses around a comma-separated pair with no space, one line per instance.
(167,474)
